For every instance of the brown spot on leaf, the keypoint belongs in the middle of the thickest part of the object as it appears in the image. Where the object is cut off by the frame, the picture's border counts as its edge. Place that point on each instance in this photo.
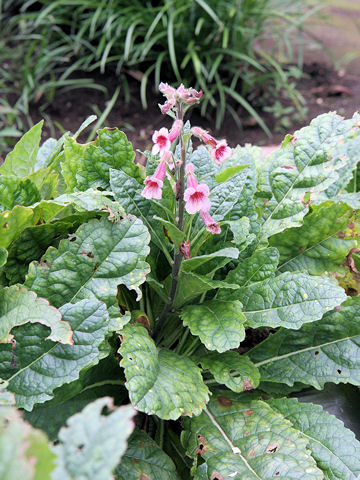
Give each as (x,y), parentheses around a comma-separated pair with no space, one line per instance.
(5,225)
(272,448)
(144,477)
(247,385)
(246,434)
(289,167)
(135,460)
(249,412)
(87,255)
(224,401)
(201,445)
(252,453)
(216,476)
(143,319)
(340,235)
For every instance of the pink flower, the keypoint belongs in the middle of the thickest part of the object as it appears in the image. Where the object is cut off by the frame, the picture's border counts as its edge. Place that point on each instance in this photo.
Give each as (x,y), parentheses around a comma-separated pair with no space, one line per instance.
(161,141)
(166,89)
(189,168)
(211,226)
(176,128)
(221,152)
(196,196)
(154,184)
(204,136)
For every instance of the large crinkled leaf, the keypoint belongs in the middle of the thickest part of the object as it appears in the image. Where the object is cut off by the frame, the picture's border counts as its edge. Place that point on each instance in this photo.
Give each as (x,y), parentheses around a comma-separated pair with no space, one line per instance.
(235,371)
(334,447)
(191,285)
(102,379)
(145,460)
(259,266)
(87,166)
(46,181)
(32,243)
(21,161)
(321,244)
(36,366)
(218,323)
(24,452)
(247,440)
(91,200)
(92,444)
(288,300)
(349,151)
(305,166)
(19,306)
(100,256)
(160,382)
(324,351)
(15,191)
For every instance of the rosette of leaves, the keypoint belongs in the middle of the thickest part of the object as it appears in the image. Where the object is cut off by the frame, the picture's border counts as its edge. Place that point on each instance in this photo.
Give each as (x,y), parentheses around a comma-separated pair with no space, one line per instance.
(86,272)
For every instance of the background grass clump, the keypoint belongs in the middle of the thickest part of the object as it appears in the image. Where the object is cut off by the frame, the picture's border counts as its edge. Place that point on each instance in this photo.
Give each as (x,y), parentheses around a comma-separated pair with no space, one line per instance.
(241,53)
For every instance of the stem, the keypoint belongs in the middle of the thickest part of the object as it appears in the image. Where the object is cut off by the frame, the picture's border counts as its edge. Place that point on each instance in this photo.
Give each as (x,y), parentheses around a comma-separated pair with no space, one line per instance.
(177,253)
(182,341)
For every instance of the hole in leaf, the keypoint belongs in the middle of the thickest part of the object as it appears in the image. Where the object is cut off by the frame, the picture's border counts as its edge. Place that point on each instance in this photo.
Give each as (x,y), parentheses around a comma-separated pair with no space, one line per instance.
(277,474)
(5,225)
(317,353)
(216,476)
(81,447)
(272,448)
(339,371)
(201,446)
(130,358)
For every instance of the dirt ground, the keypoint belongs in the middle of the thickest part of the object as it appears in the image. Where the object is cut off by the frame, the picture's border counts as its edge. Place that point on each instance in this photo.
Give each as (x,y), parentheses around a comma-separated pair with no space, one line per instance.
(328,84)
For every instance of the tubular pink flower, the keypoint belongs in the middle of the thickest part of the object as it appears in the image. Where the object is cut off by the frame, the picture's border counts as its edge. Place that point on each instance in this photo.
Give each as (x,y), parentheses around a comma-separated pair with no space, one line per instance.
(211,226)
(189,168)
(154,184)
(161,141)
(221,152)
(204,136)
(175,130)
(196,196)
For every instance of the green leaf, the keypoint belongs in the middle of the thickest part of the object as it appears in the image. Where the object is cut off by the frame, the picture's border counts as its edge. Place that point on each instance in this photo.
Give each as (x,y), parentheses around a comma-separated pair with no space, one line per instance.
(218,323)
(103,379)
(247,440)
(260,266)
(324,351)
(307,166)
(13,222)
(36,366)
(229,172)
(101,256)
(15,191)
(19,306)
(24,451)
(3,256)
(21,161)
(45,152)
(91,200)
(46,181)
(160,382)
(319,245)
(144,459)
(334,447)
(87,166)
(176,235)
(231,369)
(195,262)
(241,231)
(288,300)
(88,447)
(192,285)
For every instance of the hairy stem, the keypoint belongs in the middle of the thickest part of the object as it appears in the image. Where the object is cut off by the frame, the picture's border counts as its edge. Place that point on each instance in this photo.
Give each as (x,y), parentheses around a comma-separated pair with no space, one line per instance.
(177,252)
